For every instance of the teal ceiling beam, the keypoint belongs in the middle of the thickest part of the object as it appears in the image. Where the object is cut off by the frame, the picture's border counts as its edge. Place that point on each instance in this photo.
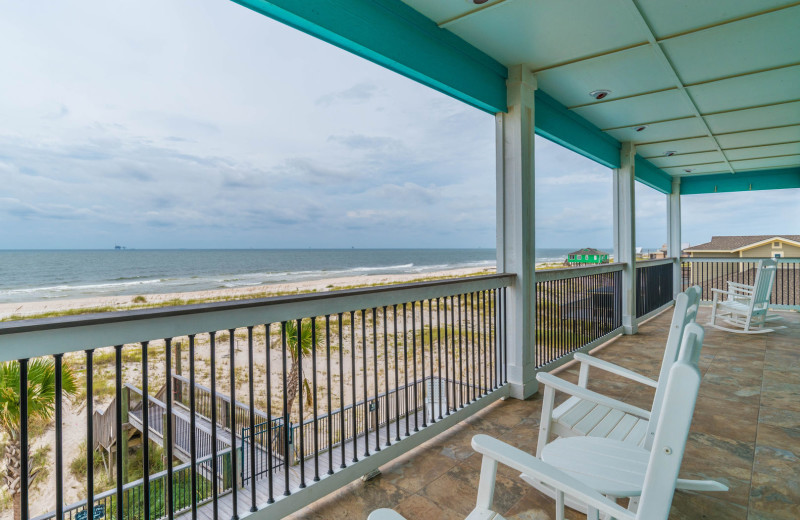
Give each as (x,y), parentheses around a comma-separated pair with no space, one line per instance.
(558,124)
(652,176)
(395,36)
(777,179)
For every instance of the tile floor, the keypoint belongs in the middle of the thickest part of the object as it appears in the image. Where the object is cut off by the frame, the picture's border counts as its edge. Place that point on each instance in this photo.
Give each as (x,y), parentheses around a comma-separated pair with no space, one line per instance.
(745,433)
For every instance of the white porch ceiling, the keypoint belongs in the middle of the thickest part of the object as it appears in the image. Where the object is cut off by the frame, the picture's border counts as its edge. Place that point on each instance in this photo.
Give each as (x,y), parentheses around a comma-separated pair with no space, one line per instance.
(717,82)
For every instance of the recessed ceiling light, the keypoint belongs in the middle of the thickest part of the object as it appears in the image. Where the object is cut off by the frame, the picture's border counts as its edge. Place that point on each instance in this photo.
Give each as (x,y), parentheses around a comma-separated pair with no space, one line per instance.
(640,128)
(688,170)
(669,153)
(600,94)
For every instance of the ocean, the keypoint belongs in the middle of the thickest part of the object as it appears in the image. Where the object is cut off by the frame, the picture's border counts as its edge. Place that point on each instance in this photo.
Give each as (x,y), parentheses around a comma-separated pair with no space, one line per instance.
(47,275)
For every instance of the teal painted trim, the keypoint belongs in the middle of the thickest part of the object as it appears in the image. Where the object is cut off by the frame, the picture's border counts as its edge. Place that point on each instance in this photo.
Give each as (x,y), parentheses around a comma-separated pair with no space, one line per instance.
(395,36)
(558,124)
(778,179)
(652,176)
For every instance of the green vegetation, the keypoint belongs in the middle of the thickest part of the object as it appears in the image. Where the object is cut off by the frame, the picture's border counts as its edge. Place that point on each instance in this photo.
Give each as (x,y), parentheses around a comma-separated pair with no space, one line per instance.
(41,393)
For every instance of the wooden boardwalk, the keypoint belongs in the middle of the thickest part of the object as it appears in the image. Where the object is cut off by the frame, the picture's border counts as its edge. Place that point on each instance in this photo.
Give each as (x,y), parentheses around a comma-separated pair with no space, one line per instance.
(311,467)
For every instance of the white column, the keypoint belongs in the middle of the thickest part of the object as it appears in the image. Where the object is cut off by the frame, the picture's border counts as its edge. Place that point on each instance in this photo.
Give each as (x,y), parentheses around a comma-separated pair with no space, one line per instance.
(625,233)
(515,226)
(674,231)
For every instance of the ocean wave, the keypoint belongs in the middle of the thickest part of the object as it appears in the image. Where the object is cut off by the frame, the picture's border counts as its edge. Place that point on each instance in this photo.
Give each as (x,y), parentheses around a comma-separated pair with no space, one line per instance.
(78,288)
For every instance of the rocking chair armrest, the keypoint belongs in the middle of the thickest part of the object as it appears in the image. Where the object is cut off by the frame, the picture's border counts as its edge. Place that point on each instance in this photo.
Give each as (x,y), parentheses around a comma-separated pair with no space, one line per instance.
(742,286)
(614,369)
(498,451)
(588,395)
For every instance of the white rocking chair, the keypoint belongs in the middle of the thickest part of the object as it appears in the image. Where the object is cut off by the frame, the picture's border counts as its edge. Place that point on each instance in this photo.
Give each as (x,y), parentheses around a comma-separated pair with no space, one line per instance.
(745,306)
(589,413)
(659,475)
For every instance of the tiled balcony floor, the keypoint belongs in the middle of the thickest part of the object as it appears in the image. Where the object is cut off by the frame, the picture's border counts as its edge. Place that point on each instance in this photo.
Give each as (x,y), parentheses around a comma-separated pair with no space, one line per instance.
(745,433)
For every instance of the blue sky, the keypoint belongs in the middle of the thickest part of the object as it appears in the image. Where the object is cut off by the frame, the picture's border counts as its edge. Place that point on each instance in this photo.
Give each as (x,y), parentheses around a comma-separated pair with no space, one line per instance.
(201,124)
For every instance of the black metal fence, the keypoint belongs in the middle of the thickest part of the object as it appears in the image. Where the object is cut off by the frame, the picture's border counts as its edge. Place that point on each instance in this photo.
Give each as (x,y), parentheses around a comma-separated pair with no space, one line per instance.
(387,361)
(715,273)
(653,286)
(574,309)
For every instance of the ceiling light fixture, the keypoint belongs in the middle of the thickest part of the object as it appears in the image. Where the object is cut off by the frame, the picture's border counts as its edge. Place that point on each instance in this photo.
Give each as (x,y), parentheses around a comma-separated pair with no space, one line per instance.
(669,153)
(640,128)
(688,170)
(600,94)
(479,2)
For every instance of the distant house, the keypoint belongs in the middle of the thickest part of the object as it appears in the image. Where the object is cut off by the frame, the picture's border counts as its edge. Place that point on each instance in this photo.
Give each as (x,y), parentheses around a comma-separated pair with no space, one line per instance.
(746,249)
(751,246)
(587,256)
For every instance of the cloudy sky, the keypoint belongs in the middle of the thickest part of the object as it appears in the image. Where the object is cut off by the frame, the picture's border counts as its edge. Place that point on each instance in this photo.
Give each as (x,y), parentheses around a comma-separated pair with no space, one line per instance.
(200,124)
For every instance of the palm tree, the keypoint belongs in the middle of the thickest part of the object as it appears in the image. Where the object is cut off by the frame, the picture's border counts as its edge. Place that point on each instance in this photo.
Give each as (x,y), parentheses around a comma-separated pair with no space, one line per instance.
(41,405)
(306,342)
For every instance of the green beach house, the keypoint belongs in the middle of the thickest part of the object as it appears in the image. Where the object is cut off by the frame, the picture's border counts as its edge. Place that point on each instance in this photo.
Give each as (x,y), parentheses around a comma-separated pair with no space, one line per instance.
(587,255)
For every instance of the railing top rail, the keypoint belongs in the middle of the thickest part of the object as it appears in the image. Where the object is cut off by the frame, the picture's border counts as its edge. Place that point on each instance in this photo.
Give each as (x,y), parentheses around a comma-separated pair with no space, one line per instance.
(30,338)
(547,275)
(657,261)
(741,259)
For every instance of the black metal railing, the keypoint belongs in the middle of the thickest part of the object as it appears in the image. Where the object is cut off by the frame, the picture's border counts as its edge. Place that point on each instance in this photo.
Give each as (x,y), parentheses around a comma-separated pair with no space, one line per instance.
(354,371)
(653,285)
(575,307)
(105,503)
(715,273)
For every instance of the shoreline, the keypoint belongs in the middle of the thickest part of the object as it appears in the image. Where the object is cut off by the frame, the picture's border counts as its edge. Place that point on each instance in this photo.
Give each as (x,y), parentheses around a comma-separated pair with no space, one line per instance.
(124,302)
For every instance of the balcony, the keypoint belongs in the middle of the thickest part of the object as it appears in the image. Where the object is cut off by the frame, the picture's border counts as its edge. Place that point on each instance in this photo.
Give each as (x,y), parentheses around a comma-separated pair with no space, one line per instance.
(744,434)
(398,378)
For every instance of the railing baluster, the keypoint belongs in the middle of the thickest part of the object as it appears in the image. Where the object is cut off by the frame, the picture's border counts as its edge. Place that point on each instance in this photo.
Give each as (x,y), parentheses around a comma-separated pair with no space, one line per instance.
(414,361)
(330,388)
(314,395)
(117,427)
(300,417)
(169,498)
(232,418)
(192,427)
(422,350)
(375,377)
(214,462)
(386,376)
(405,367)
(430,357)
(396,376)
(446,361)
(287,425)
(342,465)
(270,429)
(59,420)
(90,430)
(353,383)
(145,433)
(366,380)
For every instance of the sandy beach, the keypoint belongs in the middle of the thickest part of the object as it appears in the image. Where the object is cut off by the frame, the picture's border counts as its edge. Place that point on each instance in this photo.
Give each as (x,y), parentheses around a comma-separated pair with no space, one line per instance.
(329,284)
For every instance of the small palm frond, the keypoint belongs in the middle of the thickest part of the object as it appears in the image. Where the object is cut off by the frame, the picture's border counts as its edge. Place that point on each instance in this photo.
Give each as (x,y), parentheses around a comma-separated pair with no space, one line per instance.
(41,391)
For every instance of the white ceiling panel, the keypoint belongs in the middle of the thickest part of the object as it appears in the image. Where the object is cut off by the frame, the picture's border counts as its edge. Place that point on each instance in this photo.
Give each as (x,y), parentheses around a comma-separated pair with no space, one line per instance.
(442,10)
(686,159)
(699,169)
(755,152)
(698,13)
(772,162)
(683,146)
(571,84)
(758,137)
(547,32)
(637,110)
(775,115)
(666,131)
(758,43)
(775,86)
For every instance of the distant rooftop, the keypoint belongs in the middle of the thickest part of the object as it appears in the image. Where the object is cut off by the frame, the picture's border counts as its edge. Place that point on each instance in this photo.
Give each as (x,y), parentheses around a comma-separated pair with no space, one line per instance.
(588,251)
(735,243)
